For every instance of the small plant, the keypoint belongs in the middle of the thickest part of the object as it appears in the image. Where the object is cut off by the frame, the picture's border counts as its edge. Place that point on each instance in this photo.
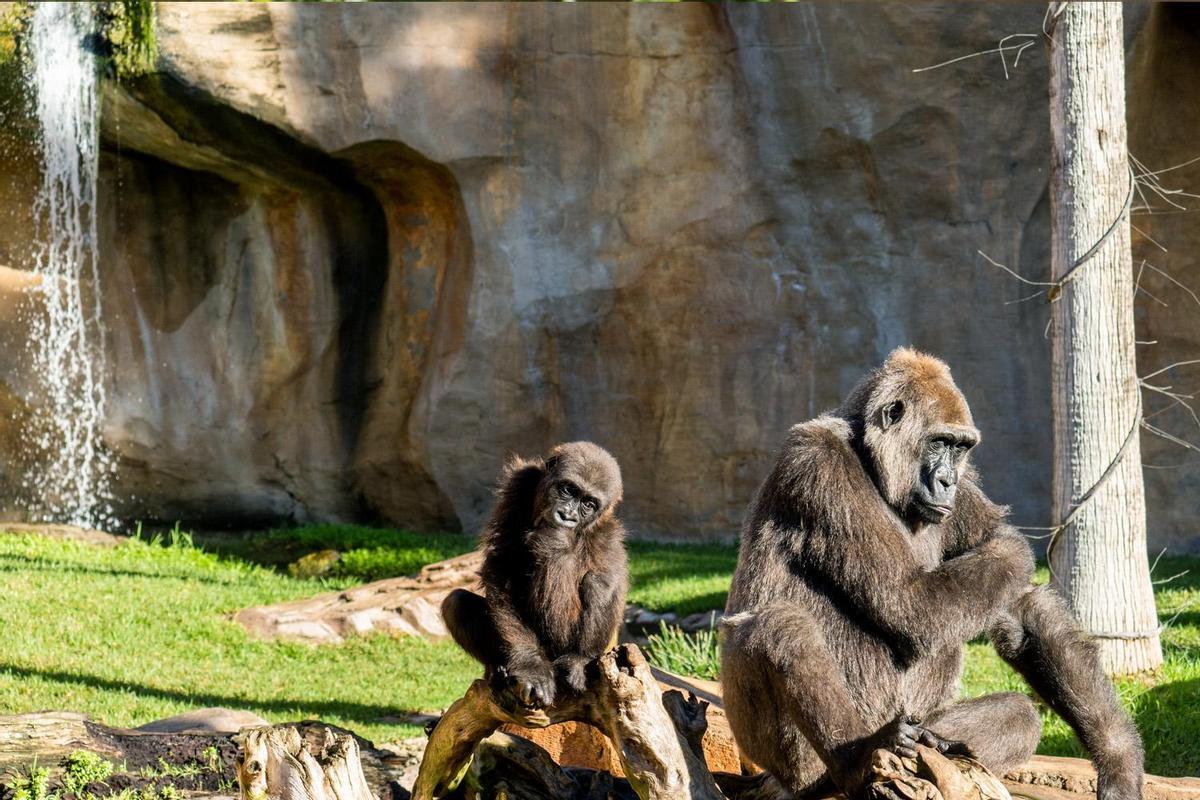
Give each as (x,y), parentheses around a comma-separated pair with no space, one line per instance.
(165,769)
(694,654)
(129,28)
(180,538)
(33,784)
(81,768)
(212,758)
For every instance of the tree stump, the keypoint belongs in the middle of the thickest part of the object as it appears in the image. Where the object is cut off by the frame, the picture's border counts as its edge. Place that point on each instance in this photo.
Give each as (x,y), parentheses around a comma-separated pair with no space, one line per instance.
(659,754)
(275,764)
(657,737)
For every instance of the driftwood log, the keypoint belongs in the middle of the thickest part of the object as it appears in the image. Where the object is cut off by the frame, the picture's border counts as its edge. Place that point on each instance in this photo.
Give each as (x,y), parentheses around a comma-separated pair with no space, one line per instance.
(657,737)
(276,764)
(502,766)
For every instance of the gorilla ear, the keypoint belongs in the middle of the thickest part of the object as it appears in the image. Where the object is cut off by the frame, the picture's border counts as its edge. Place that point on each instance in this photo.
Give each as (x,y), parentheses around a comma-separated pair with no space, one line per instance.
(552,463)
(891,414)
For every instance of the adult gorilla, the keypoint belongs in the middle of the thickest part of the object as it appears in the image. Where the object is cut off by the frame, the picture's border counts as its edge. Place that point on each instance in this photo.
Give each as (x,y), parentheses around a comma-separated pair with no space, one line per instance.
(868,557)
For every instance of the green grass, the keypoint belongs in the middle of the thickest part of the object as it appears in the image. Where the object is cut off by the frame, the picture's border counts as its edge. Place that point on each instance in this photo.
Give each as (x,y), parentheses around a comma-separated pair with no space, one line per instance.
(137,632)
(695,654)
(141,631)
(680,578)
(664,577)
(367,554)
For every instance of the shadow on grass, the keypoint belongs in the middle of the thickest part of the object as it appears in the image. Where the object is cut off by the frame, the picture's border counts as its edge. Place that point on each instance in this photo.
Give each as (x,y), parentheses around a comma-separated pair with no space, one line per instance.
(23,564)
(694,604)
(1168,717)
(357,712)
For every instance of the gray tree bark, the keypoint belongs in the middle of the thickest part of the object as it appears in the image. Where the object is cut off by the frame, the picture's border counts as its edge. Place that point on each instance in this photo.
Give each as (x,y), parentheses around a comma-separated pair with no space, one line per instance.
(1099,560)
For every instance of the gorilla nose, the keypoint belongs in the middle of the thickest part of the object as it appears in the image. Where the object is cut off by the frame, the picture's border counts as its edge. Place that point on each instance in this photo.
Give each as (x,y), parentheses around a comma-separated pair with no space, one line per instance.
(946,480)
(564,519)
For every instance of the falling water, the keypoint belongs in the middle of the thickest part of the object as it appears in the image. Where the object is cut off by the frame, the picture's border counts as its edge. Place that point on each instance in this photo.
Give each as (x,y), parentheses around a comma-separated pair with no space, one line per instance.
(71,483)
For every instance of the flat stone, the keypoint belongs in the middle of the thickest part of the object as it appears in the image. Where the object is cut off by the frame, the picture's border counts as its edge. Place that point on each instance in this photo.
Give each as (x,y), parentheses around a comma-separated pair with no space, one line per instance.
(72,533)
(205,720)
(405,606)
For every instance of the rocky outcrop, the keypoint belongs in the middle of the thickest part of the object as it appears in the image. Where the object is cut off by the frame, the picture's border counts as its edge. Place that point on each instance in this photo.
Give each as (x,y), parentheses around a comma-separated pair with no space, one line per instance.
(355,254)
(404,606)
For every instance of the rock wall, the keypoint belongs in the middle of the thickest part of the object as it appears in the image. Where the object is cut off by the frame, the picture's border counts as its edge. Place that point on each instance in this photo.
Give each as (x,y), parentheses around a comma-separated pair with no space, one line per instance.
(355,254)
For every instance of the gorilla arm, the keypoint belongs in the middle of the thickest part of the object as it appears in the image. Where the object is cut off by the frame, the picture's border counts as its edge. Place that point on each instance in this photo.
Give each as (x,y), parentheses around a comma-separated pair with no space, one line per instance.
(1039,638)
(526,664)
(602,605)
(850,541)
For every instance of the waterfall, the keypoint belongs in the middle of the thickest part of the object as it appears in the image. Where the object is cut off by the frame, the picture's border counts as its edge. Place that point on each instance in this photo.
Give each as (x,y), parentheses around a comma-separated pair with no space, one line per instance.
(71,483)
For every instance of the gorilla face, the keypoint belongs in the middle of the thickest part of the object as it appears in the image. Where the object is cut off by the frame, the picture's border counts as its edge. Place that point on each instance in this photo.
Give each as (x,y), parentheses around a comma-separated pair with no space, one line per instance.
(572,506)
(582,482)
(943,457)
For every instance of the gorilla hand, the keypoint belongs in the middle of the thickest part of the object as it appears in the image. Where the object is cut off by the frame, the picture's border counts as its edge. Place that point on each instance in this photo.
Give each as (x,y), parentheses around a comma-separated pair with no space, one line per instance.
(532,681)
(947,747)
(901,736)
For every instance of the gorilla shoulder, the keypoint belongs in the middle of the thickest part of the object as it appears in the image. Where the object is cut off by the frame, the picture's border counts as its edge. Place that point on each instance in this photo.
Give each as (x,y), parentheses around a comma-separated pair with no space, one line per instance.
(817,463)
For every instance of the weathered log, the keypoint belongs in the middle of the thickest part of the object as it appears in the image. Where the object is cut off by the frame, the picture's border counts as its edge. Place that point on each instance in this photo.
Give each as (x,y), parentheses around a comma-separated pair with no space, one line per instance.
(932,776)
(275,765)
(624,702)
(658,739)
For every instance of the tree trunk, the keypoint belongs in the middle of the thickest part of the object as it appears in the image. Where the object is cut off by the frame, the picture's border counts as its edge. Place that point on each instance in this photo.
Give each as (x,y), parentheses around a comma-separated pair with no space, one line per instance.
(1099,560)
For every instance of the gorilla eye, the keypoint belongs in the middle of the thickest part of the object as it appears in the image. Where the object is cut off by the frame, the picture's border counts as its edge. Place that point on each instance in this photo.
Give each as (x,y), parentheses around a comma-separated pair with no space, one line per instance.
(566,490)
(589,505)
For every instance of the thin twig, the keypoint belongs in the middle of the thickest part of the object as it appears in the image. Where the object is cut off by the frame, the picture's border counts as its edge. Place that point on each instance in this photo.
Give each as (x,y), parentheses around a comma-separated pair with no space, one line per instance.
(1175,167)
(1157,558)
(1179,399)
(1152,297)
(1001,49)
(1172,279)
(1169,366)
(1165,581)
(1016,275)
(1148,237)
(1038,293)
(1186,607)
(1159,432)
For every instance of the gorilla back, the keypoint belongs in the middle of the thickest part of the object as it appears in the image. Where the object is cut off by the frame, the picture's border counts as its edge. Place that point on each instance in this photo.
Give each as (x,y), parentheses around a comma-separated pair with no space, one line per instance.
(868,557)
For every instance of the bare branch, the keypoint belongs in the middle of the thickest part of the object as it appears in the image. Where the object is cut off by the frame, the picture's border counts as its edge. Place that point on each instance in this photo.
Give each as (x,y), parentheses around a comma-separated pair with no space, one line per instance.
(1019,277)
(1148,237)
(1169,366)
(1001,49)
(1176,166)
(1174,281)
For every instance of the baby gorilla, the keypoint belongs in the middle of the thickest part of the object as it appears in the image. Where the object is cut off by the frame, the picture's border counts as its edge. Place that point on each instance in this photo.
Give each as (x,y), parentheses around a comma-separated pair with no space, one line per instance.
(554,574)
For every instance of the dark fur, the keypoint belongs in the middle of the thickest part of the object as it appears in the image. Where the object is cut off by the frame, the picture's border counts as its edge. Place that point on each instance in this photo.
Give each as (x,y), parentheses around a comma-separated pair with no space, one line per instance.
(845,618)
(553,596)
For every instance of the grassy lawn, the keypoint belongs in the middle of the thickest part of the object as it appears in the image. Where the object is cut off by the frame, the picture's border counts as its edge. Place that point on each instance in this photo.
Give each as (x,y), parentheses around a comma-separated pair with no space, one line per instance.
(141,631)
(665,577)
(138,632)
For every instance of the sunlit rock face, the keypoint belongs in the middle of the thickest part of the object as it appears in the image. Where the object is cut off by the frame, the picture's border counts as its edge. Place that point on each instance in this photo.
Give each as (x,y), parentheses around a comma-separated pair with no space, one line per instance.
(356,254)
